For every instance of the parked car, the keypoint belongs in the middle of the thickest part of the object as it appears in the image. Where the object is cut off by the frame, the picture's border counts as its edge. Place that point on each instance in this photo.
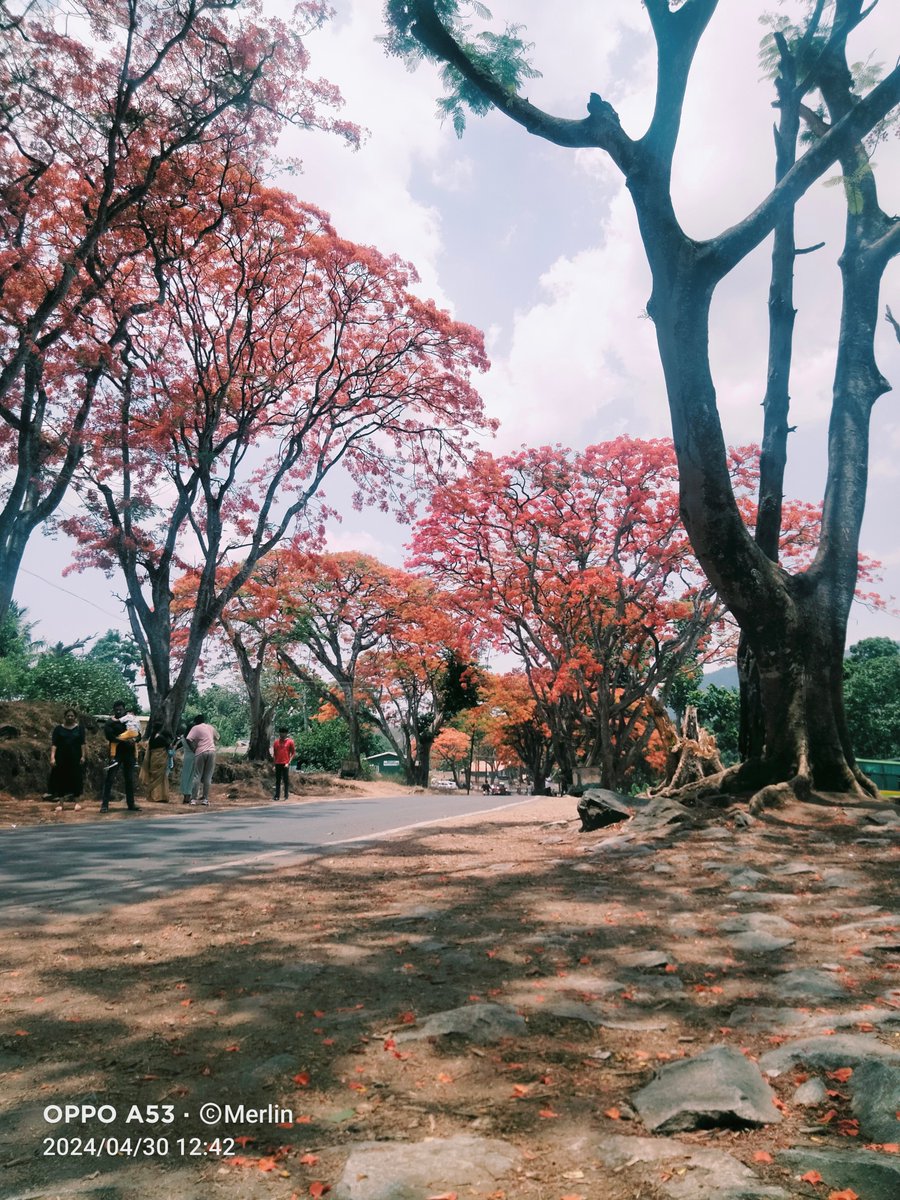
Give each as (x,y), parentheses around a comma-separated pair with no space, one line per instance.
(444,785)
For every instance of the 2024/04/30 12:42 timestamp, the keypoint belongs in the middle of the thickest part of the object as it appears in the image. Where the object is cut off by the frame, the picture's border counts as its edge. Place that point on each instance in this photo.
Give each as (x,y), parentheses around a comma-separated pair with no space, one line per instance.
(138,1147)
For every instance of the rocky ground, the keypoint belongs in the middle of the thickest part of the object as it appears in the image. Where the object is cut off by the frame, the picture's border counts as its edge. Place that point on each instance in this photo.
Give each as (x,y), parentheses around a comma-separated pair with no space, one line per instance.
(686,1005)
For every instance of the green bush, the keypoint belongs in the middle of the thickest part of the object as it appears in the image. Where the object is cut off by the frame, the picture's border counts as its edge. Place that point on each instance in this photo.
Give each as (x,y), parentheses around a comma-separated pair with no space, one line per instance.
(89,686)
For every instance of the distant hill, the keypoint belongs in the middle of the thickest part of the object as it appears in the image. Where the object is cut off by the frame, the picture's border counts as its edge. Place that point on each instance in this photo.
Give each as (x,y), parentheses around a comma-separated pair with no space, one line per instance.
(724,677)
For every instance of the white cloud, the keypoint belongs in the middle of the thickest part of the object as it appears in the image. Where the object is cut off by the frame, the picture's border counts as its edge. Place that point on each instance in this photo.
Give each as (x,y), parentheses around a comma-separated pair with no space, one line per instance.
(456,175)
(367,192)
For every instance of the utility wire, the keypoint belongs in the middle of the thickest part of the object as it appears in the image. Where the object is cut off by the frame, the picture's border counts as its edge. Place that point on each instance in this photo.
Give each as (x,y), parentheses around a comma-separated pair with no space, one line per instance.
(83,599)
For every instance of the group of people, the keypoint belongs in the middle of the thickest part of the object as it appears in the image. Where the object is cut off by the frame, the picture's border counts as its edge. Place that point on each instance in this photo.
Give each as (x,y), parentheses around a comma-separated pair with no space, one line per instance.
(122,733)
(197,742)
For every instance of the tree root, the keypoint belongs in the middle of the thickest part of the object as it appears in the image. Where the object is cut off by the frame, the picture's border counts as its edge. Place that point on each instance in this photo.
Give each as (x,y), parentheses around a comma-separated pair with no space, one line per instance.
(721,783)
(759,781)
(869,788)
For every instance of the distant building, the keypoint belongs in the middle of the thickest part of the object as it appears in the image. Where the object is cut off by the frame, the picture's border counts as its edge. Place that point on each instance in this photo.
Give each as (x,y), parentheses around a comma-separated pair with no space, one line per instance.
(385,763)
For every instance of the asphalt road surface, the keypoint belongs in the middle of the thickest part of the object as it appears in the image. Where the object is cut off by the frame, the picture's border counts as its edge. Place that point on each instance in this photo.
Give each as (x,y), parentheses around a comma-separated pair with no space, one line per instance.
(94,866)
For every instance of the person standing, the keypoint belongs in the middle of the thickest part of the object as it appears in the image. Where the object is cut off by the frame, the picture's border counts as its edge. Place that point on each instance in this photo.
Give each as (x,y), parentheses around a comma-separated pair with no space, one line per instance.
(155,767)
(122,732)
(282,752)
(67,755)
(202,739)
(186,783)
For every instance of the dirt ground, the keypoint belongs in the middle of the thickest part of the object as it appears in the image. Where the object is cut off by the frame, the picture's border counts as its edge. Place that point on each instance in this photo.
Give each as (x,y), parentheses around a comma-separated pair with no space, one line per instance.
(291,989)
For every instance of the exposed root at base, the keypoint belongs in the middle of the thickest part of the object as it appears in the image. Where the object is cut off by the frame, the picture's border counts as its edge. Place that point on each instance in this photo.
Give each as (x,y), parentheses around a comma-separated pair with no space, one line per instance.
(721,783)
(869,789)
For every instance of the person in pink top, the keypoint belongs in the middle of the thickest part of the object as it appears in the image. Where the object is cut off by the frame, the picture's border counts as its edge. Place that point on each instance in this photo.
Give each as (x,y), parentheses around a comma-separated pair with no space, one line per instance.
(282,752)
(202,740)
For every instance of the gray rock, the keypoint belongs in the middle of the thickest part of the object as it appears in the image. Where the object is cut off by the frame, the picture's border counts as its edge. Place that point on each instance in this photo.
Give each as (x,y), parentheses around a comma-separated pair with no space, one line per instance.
(760,942)
(883,921)
(794,868)
(764,1019)
(662,811)
(876,1100)
(808,984)
(480,1023)
(572,1010)
(753,897)
(414,1171)
(827,1053)
(810,1094)
(708,1174)
(640,984)
(646,959)
(854,1017)
(633,1024)
(838,877)
(584,984)
(621,844)
(744,877)
(763,922)
(884,816)
(599,807)
(717,1088)
(871,1175)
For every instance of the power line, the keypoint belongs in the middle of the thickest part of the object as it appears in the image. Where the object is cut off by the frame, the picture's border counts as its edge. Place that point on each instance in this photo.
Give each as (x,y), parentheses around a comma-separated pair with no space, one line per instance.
(83,599)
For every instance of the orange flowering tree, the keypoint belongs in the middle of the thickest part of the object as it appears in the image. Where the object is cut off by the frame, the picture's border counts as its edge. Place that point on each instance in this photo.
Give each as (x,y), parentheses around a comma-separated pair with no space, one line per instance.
(282,353)
(577,563)
(111,114)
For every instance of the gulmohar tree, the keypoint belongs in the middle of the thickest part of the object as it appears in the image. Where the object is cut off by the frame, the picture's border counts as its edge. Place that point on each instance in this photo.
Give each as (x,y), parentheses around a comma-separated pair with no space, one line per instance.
(793,622)
(282,353)
(110,113)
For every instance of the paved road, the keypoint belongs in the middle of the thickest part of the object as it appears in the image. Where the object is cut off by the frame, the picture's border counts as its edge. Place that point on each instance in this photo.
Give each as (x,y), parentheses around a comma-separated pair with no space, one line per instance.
(93,866)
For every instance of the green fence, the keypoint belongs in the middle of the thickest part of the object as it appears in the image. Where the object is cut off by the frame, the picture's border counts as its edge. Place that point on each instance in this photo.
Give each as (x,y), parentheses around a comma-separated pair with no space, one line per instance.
(885,773)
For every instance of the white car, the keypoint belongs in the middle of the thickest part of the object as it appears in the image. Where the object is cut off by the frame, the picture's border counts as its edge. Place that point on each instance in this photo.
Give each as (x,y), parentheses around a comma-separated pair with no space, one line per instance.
(445,785)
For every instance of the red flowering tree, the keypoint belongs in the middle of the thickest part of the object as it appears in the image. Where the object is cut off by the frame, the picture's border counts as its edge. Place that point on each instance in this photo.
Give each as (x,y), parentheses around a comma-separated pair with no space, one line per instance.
(282,352)
(515,729)
(380,644)
(111,112)
(421,676)
(340,607)
(579,564)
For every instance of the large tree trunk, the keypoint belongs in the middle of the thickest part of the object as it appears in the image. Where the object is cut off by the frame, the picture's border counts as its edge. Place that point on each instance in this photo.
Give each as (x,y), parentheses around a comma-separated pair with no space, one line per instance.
(795,627)
(262,720)
(351,716)
(801,668)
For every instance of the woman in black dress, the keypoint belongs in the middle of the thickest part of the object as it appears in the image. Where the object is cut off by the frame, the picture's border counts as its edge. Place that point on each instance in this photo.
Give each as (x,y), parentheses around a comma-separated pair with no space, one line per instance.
(67,756)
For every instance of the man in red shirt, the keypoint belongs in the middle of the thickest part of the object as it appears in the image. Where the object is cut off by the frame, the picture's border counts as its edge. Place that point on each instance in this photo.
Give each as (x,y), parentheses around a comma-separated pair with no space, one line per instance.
(282,752)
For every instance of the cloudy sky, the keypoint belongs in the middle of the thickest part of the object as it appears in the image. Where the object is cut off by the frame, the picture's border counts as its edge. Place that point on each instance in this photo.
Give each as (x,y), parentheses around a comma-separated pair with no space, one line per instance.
(538,246)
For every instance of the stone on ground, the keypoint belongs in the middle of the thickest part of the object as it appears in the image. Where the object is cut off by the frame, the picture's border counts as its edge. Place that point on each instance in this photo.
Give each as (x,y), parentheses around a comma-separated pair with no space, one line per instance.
(810,1094)
(481,1023)
(758,941)
(415,1171)
(599,807)
(717,1088)
(876,1101)
(827,1053)
(868,1173)
(808,984)
(707,1174)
